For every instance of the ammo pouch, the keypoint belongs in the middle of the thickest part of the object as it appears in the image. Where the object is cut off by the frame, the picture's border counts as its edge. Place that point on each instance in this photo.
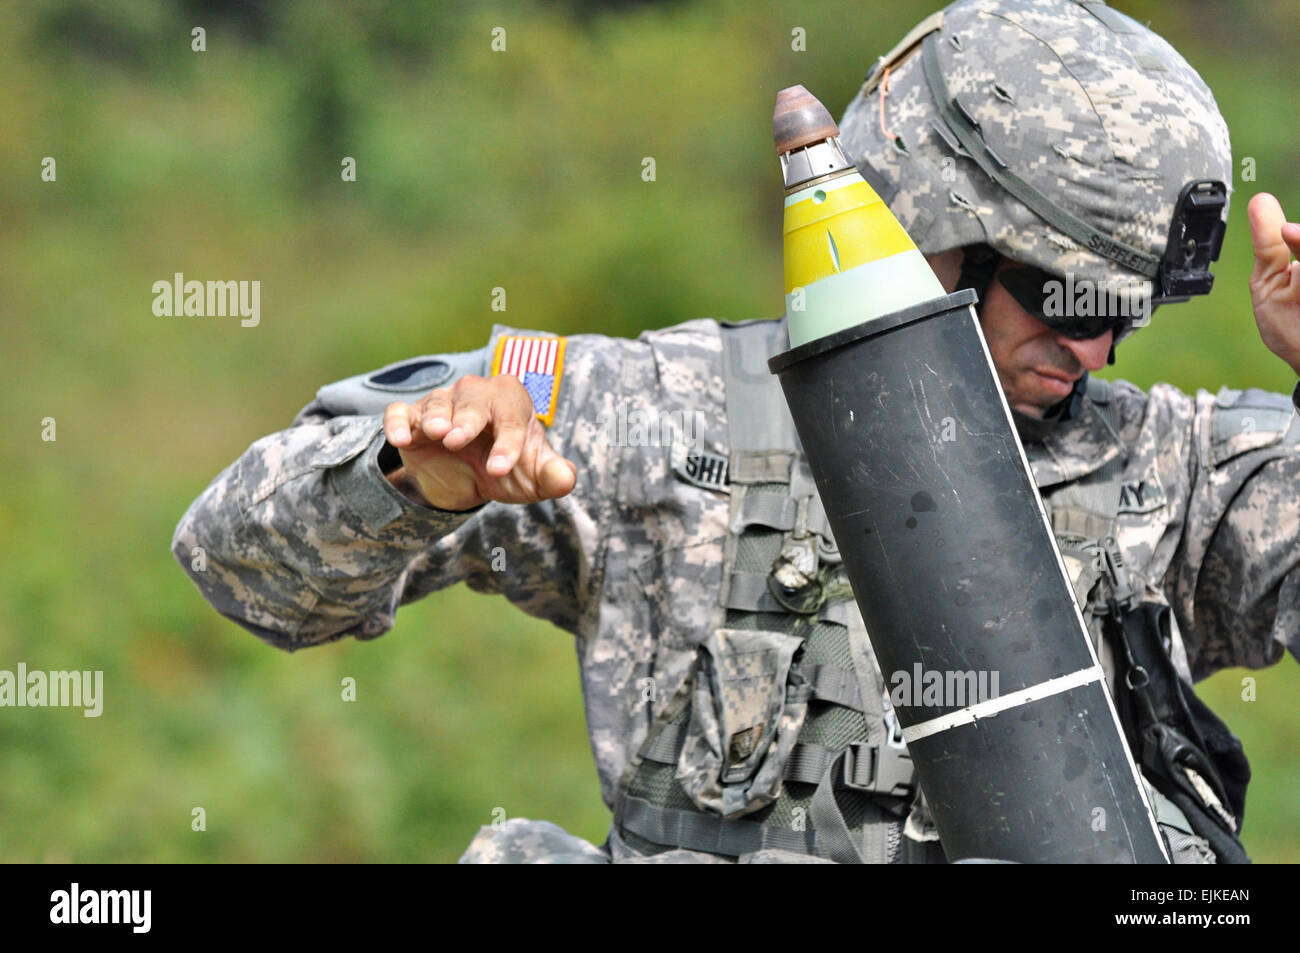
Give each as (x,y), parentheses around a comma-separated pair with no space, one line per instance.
(749,701)
(1187,753)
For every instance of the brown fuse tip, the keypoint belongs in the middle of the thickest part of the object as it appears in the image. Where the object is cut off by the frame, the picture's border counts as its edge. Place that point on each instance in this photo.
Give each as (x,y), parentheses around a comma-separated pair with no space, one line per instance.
(800,120)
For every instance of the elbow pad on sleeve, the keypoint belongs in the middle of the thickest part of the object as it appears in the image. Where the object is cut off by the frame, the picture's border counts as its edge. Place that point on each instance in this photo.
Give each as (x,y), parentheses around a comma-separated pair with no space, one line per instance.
(408,380)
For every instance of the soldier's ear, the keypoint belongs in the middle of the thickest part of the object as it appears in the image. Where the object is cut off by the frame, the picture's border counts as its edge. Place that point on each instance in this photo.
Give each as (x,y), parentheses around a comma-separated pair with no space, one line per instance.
(947,268)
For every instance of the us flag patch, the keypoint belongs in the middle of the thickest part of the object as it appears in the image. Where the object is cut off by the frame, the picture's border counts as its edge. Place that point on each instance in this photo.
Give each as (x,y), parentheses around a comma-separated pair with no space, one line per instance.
(538,364)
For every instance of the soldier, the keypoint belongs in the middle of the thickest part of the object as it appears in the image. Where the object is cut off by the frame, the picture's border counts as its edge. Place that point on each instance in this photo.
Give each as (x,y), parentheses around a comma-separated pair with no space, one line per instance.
(638,519)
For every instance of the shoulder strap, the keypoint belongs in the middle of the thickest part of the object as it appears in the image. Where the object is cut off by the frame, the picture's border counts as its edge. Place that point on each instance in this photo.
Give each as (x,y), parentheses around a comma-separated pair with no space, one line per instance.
(757,417)
(761,440)
(1088,507)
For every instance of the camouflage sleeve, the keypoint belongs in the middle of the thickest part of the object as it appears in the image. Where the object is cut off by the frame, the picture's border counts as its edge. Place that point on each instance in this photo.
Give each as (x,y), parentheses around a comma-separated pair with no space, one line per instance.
(1236,586)
(302,540)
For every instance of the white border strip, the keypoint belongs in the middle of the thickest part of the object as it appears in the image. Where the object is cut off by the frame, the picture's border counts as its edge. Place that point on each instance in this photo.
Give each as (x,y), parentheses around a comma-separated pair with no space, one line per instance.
(987,709)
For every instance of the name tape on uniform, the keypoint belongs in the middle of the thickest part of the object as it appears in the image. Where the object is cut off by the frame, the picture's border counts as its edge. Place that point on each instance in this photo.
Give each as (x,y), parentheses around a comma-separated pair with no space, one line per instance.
(699,467)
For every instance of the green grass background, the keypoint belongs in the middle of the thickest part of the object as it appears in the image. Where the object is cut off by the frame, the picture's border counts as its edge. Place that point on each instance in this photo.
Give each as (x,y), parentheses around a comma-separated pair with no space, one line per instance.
(475,169)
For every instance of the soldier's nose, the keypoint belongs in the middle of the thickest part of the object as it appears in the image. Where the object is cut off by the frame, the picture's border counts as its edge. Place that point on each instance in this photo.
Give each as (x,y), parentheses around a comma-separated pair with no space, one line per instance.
(1091,353)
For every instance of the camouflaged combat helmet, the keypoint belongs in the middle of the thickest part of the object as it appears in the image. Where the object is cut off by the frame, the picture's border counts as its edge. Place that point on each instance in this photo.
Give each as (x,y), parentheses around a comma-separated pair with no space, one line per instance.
(1063,135)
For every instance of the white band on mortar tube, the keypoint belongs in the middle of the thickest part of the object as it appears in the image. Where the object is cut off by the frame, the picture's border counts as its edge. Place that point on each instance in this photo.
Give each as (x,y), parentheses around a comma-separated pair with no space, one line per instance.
(987,709)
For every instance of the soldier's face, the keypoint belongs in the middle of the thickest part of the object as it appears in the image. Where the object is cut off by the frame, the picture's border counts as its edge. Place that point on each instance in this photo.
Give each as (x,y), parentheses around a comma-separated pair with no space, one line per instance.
(1036,365)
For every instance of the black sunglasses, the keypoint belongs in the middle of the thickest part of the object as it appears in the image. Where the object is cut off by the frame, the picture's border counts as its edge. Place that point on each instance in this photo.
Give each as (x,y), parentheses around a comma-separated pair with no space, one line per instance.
(1078,310)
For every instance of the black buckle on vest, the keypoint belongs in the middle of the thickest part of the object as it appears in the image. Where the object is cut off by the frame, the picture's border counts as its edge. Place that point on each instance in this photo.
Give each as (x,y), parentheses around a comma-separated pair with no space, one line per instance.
(795,579)
(1117,573)
(872,769)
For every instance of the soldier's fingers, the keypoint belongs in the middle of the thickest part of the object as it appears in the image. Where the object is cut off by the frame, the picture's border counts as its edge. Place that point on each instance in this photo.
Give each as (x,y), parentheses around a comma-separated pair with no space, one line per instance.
(1272,254)
(556,476)
(510,424)
(1291,235)
(435,414)
(399,421)
(470,412)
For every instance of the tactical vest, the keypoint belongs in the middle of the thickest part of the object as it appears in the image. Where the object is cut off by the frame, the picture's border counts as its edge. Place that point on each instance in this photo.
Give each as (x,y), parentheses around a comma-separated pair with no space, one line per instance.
(782,735)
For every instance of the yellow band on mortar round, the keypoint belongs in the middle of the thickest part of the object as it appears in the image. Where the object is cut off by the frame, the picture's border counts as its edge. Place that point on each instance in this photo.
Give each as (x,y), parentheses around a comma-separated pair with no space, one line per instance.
(853,216)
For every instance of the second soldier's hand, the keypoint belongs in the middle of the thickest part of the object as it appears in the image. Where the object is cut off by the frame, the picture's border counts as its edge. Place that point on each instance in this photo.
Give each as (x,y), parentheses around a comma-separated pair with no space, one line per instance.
(475,441)
(1275,279)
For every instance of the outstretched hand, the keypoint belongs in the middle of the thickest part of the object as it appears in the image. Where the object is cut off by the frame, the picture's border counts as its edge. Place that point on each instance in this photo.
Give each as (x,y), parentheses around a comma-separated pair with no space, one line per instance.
(1275,279)
(475,441)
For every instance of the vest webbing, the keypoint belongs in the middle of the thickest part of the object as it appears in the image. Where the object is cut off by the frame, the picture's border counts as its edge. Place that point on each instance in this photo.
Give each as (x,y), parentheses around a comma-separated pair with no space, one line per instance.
(844,785)
(1083,513)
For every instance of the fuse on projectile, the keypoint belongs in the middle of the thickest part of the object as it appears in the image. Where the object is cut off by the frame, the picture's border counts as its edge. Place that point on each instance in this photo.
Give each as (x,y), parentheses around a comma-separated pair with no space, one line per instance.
(847,259)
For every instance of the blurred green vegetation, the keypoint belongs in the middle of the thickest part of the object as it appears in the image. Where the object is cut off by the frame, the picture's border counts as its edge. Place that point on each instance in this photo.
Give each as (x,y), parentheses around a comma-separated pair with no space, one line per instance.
(475,169)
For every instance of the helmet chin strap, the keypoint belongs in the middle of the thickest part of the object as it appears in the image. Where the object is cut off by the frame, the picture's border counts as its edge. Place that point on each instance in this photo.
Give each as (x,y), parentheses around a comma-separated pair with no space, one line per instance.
(1073,401)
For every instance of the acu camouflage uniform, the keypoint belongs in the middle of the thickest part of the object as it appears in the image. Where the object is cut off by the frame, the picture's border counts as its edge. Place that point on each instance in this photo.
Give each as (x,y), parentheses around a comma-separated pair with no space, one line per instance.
(307,543)
(657,565)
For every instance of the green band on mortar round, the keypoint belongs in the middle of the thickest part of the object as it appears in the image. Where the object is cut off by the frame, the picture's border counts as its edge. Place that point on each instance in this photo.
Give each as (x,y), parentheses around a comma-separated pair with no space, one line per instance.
(870,290)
